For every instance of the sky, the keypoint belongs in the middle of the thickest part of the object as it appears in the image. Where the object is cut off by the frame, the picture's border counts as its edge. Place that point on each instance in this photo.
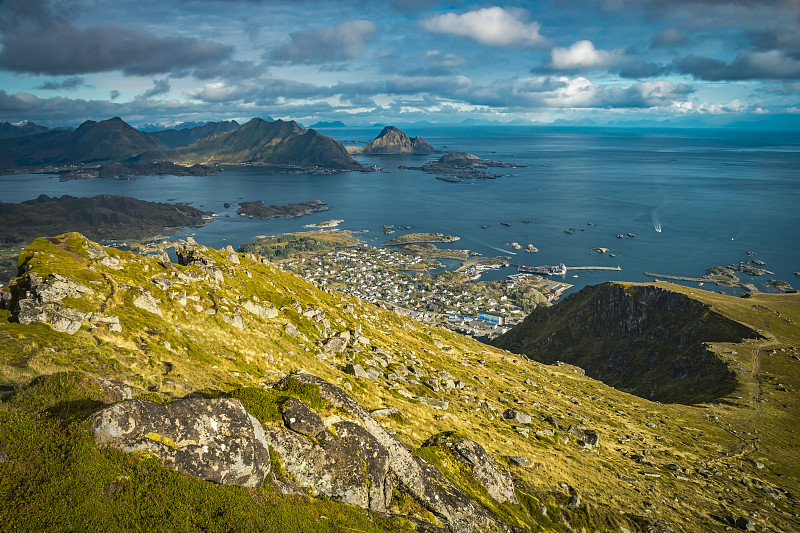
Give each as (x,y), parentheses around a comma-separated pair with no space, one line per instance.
(605,62)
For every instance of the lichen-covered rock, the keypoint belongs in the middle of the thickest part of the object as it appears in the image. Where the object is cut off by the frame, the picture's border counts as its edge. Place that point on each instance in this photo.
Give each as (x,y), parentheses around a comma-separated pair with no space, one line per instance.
(59,317)
(298,417)
(413,476)
(213,439)
(494,478)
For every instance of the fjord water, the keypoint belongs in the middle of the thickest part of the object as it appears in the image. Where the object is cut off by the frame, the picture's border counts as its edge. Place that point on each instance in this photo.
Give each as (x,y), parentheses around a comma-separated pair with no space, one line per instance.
(715,195)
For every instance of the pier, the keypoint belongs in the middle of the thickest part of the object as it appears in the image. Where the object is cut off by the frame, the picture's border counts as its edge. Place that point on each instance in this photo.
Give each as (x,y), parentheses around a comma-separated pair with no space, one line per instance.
(678,278)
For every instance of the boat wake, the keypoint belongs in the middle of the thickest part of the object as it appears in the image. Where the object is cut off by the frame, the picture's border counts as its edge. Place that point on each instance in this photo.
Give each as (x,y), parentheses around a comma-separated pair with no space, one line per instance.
(654,218)
(502,250)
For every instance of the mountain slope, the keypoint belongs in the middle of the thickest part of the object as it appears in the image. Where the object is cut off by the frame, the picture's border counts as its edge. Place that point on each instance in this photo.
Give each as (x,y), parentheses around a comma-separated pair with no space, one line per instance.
(392,140)
(582,454)
(9,130)
(647,340)
(91,142)
(184,137)
(268,143)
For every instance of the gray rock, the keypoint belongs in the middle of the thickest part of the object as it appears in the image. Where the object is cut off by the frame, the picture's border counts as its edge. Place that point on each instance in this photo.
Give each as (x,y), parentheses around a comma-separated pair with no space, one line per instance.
(3,458)
(590,439)
(373,373)
(298,417)
(488,472)
(111,262)
(213,439)
(545,433)
(518,460)
(57,316)
(336,344)
(95,251)
(745,524)
(264,311)
(406,473)
(442,405)
(517,416)
(574,499)
(754,463)
(355,370)
(234,319)
(385,413)
(147,302)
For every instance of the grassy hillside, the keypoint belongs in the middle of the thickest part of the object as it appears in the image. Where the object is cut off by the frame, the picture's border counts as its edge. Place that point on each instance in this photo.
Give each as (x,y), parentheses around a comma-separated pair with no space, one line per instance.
(685,466)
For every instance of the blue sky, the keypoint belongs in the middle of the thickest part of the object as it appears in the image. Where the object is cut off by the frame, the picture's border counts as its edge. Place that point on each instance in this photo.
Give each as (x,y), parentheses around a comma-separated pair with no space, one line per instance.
(679,62)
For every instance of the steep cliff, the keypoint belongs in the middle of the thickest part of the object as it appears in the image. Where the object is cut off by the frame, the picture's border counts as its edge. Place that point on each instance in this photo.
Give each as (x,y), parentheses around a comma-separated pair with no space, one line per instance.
(643,339)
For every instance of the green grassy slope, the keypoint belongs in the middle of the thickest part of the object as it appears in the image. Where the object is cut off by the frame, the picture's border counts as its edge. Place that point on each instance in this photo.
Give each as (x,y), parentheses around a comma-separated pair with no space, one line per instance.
(626,481)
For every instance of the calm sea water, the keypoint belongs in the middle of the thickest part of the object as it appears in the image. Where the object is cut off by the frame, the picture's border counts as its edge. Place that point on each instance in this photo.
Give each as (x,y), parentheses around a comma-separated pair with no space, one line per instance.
(715,194)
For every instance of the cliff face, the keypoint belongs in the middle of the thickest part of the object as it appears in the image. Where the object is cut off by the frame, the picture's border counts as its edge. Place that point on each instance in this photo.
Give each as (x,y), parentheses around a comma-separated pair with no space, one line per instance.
(643,339)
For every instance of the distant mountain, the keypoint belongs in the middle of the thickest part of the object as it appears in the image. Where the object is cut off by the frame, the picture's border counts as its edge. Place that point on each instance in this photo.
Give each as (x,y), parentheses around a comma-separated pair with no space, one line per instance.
(19,129)
(393,141)
(184,137)
(334,124)
(91,142)
(268,143)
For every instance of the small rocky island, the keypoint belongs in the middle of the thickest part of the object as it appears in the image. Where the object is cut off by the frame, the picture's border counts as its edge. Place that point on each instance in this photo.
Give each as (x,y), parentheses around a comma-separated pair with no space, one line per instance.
(392,141)
(129,170)
(413,238)
(261,210)
(457,166)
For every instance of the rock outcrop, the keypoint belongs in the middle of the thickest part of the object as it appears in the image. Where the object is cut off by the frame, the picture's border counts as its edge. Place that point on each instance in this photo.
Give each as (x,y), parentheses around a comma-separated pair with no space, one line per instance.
(339,451)
(213,439)
(38,300)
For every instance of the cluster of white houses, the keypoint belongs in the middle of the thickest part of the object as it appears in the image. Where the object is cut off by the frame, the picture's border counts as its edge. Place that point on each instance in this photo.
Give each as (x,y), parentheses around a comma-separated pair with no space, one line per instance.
(384,276)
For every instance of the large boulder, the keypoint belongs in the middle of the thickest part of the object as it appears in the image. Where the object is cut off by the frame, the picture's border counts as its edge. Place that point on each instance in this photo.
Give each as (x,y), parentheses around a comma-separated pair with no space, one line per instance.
(389,465)
(213,439)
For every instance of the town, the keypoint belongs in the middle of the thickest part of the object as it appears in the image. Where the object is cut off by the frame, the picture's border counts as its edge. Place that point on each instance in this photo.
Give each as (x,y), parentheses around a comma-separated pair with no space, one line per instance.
(455,300)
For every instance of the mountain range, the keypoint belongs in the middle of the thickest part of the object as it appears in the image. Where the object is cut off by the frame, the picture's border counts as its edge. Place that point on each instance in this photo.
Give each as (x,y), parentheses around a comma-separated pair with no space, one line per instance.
(282,144)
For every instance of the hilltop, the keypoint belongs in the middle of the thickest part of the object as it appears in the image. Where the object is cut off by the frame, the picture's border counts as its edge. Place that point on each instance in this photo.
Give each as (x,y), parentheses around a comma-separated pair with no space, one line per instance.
(185,136)
(275,143)
(91,142)
(392,140)
(501,440)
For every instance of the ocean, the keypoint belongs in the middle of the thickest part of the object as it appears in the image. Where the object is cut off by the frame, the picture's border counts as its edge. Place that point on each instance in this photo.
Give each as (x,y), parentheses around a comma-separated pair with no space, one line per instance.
(713,194)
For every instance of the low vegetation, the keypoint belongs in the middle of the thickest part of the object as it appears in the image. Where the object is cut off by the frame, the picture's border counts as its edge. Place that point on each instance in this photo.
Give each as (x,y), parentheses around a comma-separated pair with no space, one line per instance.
(689,467)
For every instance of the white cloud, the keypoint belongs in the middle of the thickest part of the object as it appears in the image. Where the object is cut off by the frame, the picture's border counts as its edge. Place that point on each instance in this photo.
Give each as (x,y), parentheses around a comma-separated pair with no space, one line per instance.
(583,55)
(492,25)
(212,92)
